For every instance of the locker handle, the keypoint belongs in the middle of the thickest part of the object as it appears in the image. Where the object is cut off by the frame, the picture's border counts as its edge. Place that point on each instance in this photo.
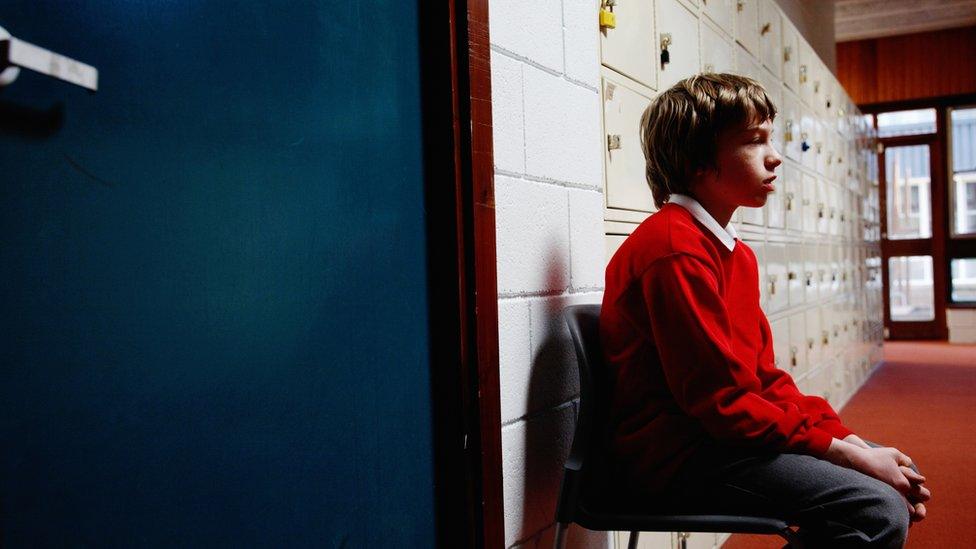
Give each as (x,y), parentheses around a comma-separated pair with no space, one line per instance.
(789,201)
(803,74)
(613,142)
(766,28)
(772,284)
(16,54)
(793,351)
(791,276)
(740,5)
(787,53)
(810,343)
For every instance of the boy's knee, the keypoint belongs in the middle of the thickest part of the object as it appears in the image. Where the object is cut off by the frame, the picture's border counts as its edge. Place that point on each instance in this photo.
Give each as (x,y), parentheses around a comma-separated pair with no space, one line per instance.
(890,512)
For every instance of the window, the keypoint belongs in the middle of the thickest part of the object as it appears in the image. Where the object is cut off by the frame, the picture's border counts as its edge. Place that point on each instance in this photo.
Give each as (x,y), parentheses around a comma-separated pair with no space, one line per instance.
(964,280)
(891,124)
(963,154)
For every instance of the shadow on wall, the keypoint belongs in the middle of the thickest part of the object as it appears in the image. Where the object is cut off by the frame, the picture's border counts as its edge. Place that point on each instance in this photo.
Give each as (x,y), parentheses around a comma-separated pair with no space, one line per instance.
(553,388)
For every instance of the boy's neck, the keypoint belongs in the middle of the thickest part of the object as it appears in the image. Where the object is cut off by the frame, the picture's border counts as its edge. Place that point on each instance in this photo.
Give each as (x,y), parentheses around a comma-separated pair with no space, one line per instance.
(722,213)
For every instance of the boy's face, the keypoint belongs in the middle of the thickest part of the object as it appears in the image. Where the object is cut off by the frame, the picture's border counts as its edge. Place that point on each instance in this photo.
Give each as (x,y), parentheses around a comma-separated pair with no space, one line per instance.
(745,160)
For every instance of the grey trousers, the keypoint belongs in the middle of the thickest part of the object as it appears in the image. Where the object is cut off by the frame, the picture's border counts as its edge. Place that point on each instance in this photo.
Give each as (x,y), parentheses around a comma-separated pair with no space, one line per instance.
(835,507)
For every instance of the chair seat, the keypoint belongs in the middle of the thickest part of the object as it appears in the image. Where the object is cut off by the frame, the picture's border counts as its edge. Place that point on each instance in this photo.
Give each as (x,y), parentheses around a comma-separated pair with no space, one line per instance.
(624,521)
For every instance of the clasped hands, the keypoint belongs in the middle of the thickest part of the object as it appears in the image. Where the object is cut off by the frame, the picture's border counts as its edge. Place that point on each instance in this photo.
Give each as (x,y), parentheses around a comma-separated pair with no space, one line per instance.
(893,467)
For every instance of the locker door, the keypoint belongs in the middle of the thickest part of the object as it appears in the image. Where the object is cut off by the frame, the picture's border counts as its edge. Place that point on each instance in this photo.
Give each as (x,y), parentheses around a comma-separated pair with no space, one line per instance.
(813,338)
(780,329)
(746,25)
(716,52)
(677,32)
(798,344)
(806,70)
(777,283)
(792,199)
(809,203)
(823,219)
(759,248)
(623,103)
(790,55)
(808,151)
(790,115)
(722,13)
(771,37)
(613,242)
(627,47)
(795,274)
(823,270)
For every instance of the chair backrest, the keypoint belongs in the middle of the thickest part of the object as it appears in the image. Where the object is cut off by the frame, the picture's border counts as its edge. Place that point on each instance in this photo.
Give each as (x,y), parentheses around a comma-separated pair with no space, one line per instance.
(586,472)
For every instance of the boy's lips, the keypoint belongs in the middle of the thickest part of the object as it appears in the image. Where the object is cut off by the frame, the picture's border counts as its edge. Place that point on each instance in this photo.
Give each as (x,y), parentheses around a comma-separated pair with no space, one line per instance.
(768,184)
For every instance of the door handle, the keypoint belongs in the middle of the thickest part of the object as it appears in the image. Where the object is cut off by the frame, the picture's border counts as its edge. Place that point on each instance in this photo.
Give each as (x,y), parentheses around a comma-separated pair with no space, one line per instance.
(16,54)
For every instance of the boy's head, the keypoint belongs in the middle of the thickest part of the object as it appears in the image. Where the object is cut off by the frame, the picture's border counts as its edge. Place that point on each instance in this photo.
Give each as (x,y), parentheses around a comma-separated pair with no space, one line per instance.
(682,129)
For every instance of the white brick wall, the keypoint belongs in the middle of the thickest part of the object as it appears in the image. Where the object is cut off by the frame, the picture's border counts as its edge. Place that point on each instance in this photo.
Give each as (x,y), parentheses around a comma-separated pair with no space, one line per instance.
(550,244)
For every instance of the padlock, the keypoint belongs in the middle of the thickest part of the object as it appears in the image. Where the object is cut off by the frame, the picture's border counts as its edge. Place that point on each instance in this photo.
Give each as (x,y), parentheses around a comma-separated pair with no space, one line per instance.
(665,54)
(607,19)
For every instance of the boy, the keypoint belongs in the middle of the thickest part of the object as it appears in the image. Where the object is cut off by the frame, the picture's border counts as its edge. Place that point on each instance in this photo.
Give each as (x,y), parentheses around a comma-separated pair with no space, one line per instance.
(699,413)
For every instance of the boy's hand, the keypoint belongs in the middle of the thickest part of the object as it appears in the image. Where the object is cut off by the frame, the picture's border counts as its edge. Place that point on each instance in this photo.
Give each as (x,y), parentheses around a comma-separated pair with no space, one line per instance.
(888,465)
(915,498)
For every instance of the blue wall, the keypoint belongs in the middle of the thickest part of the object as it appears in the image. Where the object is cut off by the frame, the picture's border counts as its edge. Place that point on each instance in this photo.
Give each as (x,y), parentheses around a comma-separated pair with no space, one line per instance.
(212,274)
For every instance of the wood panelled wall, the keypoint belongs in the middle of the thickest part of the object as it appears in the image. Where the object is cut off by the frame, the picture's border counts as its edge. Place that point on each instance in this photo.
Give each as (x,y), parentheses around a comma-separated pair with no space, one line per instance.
(910,66)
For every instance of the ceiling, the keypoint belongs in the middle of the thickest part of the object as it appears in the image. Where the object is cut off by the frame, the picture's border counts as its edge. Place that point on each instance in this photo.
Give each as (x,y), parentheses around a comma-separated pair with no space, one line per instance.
(860,19)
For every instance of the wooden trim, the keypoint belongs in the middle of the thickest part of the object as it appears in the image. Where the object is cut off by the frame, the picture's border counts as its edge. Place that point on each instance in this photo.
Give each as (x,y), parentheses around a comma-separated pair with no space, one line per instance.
(463,297)
(923,103)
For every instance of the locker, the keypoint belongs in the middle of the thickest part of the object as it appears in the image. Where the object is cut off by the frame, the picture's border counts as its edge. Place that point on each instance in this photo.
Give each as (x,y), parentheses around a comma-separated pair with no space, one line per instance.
(745,64)
(623,103)
(722,13)
(823,270)
(771,37)
(746,25)
(792,202)
(808,152)
(836,254)
(777,284)
(823,219)
(716,54)
(805,72)
(796,282)
(833,208)
(677,33)
(781,343)
(759,248)
(791,45)
(752,216)
(625,48)
(613,242)
(819,147)
(809,203)
(789,113)
(798,347)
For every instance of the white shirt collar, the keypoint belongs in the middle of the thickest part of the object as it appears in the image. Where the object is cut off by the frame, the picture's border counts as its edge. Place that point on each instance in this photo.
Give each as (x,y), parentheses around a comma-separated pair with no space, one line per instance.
(727,234)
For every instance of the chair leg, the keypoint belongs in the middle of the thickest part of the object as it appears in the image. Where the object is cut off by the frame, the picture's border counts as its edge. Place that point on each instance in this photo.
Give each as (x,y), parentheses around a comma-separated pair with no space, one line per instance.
(632,543)
(792,538)
(561,529)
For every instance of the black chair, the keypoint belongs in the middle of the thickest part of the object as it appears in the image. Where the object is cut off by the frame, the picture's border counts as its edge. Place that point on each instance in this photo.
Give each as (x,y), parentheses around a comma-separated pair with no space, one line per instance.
(584,499)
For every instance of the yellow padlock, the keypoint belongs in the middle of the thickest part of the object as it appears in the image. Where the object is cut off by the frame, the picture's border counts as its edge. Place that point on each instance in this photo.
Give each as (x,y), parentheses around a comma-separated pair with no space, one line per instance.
(607,19)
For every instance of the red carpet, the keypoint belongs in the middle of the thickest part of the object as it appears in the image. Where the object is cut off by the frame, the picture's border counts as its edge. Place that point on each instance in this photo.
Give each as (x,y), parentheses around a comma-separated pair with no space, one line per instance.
(921,401)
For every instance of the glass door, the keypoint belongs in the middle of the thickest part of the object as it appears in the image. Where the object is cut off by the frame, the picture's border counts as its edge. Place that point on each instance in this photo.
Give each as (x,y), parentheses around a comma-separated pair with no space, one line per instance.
(912,238)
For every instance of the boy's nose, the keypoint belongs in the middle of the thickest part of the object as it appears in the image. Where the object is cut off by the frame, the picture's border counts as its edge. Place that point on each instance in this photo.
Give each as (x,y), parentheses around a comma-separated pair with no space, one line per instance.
(773,160)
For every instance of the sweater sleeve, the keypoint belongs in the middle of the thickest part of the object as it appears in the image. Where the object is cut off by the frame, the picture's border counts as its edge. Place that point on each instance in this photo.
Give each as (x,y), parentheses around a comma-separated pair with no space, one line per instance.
(778,386)
(692,331)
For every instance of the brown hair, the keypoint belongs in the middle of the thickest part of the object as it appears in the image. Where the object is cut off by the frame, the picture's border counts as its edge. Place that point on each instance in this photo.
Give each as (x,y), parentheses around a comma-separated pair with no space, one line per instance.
(680,128)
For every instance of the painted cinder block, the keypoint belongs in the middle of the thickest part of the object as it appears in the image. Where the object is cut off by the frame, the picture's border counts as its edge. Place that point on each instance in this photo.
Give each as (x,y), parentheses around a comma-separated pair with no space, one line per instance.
(581,34)
(530,30)
(562,130)
(533,455)
(507,118)
(514,356)
(587,244)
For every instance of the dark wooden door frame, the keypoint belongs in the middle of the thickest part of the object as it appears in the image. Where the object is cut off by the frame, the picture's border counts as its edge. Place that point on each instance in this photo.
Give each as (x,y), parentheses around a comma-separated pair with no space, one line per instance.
(934,245)
(463,296)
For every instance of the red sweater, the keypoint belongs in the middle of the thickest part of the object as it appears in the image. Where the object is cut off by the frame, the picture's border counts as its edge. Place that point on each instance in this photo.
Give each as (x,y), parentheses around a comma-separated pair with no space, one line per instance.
(690,352)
